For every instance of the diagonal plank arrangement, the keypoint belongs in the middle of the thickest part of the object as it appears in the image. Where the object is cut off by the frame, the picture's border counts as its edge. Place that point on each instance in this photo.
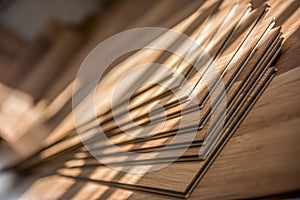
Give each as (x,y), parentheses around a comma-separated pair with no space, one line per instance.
(242,44)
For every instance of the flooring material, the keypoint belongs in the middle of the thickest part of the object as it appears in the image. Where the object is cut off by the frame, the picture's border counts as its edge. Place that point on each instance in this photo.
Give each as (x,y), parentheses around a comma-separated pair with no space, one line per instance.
(218,159)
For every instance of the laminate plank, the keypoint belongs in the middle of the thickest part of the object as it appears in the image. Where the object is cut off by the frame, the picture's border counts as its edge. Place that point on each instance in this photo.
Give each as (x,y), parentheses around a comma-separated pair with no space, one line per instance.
(123,138)
(143,179)
(181,94)
(258,140)
(194,151)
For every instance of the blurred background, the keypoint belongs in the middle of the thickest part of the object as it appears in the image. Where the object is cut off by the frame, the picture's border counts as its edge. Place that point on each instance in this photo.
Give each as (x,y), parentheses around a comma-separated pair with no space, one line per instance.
(27,18)
(39,41)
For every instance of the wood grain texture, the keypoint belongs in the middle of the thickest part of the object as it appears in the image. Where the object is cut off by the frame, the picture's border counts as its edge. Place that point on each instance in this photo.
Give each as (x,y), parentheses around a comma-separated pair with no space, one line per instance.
(261,155)
(263,26)
(145,181)
(263,134)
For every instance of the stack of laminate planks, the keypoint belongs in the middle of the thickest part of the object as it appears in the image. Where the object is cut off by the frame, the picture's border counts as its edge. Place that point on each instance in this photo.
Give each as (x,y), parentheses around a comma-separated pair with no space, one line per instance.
(242,42)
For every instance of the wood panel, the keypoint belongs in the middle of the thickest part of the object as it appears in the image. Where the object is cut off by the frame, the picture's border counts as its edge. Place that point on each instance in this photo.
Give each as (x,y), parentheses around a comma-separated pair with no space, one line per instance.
(262,153)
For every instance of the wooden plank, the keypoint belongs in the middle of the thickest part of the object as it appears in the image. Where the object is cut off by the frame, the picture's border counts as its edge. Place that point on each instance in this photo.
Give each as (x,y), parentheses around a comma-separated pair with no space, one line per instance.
(151,145)
(167,127)
(251,144)
(192,152)
(147,179)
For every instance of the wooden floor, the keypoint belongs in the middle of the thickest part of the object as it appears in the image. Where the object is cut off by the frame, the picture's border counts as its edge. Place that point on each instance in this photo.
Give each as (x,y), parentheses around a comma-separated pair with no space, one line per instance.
(260,160)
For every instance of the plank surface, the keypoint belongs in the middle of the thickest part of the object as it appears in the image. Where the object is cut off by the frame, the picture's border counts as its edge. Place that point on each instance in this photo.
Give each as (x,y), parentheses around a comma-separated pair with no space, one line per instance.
(261,155)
